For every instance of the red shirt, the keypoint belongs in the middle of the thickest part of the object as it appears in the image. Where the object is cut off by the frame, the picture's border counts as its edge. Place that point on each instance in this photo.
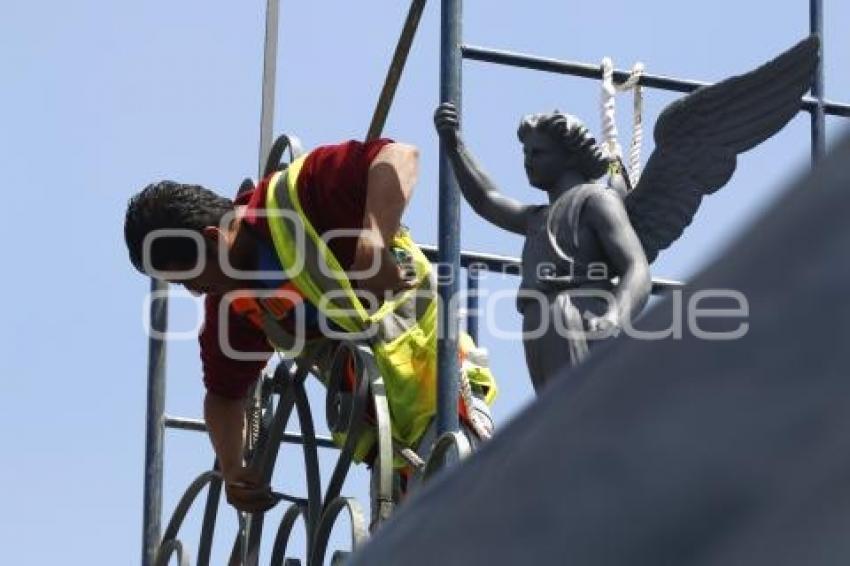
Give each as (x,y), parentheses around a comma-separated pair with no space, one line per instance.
(332,191)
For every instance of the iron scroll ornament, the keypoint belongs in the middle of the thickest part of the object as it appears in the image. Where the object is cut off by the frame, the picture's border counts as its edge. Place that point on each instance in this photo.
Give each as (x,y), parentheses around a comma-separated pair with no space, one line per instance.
(346,412)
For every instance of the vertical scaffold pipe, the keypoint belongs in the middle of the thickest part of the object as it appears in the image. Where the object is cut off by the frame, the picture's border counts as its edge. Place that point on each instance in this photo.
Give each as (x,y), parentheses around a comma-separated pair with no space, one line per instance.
(818,113)
(472,275)
(269,81)
(253,531)
(449,229)
(152,506)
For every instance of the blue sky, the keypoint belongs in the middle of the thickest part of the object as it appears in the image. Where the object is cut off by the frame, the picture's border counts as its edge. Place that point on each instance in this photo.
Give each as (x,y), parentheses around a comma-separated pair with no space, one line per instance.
(100,99)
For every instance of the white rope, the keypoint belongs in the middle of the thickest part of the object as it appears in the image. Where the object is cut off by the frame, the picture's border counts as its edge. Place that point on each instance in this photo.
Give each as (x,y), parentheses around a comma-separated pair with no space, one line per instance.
(610,143)
(465,389)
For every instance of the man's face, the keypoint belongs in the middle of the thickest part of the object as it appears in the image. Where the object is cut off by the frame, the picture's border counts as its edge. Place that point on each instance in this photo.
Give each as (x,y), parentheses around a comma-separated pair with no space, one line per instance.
(211,278)
(545,160)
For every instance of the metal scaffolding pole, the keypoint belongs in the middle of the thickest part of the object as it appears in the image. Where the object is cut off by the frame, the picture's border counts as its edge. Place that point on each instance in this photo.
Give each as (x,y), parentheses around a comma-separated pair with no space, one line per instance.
(472,314)
(269,82)
(402,50)
(253,531)
(575,69)
(152,505)
(818,112)
(449,229)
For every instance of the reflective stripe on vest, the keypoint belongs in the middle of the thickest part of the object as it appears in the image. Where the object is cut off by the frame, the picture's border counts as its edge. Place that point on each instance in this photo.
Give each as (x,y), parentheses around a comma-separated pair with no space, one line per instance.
(403,332)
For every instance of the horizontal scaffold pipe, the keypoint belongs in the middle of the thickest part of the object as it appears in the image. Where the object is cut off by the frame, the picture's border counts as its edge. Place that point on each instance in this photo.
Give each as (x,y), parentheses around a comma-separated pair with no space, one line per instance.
(587,71)
(200,426)
(512,265)
(490,262)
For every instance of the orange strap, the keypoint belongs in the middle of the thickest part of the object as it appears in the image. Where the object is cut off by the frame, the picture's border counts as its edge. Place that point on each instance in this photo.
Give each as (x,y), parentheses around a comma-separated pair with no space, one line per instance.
(252,306)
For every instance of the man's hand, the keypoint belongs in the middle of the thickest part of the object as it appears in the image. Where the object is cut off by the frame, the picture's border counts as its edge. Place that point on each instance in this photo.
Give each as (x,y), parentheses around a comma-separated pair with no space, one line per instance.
(386,276)
(247,492)
(448,124)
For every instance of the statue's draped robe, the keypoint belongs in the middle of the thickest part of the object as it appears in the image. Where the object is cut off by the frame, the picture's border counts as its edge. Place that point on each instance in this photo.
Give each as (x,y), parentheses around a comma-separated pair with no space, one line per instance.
(544,303)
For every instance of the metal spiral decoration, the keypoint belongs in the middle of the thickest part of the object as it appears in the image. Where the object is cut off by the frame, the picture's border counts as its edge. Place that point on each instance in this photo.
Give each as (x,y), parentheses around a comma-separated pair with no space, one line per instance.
(347,410)
(359,530)
(170,544)
(290,517)
(449,442)
(170,548)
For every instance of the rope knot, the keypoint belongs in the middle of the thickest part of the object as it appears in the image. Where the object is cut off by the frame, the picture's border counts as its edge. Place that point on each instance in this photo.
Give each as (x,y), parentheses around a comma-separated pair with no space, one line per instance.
(611,145)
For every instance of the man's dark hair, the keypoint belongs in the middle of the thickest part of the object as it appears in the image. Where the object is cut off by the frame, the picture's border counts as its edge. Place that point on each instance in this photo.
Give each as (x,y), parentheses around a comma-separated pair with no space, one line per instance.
(170,205)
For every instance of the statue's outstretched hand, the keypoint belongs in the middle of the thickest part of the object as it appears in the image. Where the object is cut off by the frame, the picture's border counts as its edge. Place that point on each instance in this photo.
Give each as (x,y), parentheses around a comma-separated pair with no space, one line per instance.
(599,327)
(447,123)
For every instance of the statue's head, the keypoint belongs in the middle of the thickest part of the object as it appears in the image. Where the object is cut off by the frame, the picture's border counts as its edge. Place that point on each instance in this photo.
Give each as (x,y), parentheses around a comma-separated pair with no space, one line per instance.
(555,143)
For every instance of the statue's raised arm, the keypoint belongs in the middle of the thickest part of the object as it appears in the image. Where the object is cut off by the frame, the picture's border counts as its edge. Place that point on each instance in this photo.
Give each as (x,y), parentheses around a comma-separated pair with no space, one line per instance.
(477,187)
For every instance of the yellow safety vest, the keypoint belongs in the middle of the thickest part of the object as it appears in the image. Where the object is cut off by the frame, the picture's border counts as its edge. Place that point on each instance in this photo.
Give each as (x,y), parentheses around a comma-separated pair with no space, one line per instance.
(404,329)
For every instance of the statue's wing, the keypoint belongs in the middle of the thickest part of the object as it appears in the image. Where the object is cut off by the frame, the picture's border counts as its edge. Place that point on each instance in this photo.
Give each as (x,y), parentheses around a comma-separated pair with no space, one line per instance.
(698,138)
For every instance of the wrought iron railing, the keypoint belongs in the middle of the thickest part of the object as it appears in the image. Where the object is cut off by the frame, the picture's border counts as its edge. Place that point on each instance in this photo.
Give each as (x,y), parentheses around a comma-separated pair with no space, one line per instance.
(346,410)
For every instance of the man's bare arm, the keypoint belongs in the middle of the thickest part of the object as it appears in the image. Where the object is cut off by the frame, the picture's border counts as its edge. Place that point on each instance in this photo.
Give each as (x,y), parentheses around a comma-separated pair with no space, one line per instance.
(609,219)
(392,176)
(225,420)
(477,187)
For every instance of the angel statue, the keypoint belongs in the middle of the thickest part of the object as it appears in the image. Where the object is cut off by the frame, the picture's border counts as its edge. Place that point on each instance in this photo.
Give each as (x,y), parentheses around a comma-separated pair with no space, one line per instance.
(585,261)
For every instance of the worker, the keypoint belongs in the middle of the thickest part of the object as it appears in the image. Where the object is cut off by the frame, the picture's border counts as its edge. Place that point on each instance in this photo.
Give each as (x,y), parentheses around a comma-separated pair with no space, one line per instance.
(313,254)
